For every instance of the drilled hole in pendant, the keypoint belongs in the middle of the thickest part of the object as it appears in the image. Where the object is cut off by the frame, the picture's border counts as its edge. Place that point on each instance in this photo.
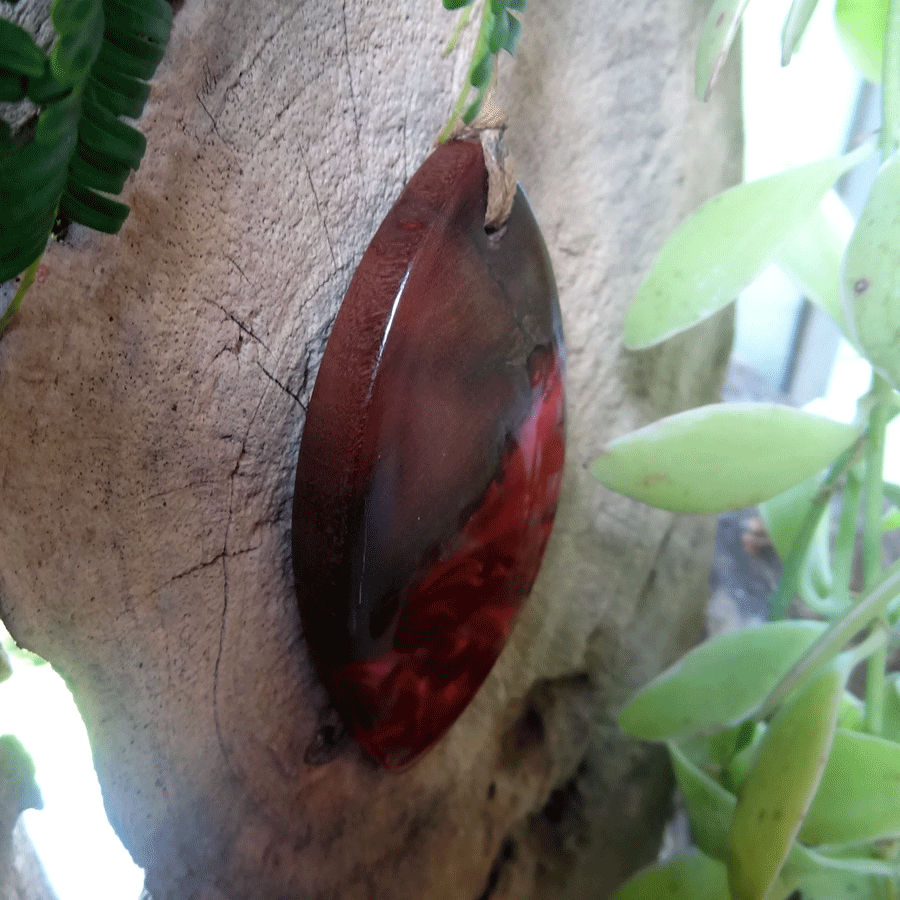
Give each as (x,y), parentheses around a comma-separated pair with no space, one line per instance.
(495,233)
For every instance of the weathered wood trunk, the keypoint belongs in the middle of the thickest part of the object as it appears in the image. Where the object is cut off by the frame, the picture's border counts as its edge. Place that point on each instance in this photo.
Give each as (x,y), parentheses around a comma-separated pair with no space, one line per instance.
(152,396)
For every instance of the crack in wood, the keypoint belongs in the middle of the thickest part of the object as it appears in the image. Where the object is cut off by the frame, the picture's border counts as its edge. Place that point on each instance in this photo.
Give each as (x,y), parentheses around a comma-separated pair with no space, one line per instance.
(287,390)
(241,325)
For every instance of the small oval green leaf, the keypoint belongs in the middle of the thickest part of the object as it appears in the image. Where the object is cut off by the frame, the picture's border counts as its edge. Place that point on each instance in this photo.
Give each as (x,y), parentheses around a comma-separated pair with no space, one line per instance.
(861,26)
(718,684)
(891,521)
(500,33)
(784,513)
(813,255)
(481,71)
(719,31)
(119,171)
(723,246)
(872,274)
(780,787)
(891,725)
(851,715)
(514,32)
(829,884)
(859,797)
(719,457)
(794,27)
(709,806)
(741,763)
(693,876)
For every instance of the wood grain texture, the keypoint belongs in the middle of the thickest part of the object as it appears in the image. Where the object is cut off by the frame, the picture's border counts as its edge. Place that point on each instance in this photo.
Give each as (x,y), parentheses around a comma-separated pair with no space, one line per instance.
(152,397)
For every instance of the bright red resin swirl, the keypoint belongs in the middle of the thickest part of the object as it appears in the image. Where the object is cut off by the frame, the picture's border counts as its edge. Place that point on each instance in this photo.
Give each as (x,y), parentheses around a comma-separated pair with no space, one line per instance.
(431,460)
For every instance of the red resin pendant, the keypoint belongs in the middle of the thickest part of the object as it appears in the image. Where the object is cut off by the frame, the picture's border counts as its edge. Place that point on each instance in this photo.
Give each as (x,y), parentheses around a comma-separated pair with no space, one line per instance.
(431,460)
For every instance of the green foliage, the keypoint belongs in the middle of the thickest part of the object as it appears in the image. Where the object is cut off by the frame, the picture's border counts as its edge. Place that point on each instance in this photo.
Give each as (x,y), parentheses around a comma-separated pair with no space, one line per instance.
(719,457)
(499,30)
(722,247)
(80,152)
(778,790)
(693,876)
(867,769)
(719,31)
(699,693)
(871,278)
(797,518)
(790,782)
(795,27)
(861,25)
(812,256)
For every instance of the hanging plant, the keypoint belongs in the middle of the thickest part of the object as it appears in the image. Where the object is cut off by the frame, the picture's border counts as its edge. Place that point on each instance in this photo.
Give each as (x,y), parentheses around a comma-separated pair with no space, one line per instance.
(71,159)
(789,779)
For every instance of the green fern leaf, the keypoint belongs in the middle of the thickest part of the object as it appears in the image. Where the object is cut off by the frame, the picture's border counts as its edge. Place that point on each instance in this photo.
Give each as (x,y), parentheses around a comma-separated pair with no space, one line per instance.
(113,168)
(482,71)
(21,55)
(150,18)
(101,179)
(79,24)
(12,88)
(80,153)
(118,102)
(27,172)
(130,53)
(105,133)
(58,121)
(38,204)
(93,209)
(513,35)
(45,87)
(20,247)
(500,34)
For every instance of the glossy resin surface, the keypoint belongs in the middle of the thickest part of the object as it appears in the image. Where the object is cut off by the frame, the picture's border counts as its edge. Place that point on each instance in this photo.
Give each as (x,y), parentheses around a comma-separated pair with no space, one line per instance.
(431,460)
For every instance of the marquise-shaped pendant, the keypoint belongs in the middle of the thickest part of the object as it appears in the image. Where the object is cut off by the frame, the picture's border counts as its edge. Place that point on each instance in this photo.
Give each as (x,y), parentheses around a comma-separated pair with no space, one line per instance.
(431,460)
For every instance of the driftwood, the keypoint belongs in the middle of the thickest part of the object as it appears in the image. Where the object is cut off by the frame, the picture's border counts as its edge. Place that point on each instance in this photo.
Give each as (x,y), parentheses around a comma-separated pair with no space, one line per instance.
(152,396)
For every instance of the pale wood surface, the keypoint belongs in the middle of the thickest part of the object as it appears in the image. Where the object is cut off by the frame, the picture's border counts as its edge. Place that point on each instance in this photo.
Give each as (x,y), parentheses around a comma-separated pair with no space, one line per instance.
(152,394)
